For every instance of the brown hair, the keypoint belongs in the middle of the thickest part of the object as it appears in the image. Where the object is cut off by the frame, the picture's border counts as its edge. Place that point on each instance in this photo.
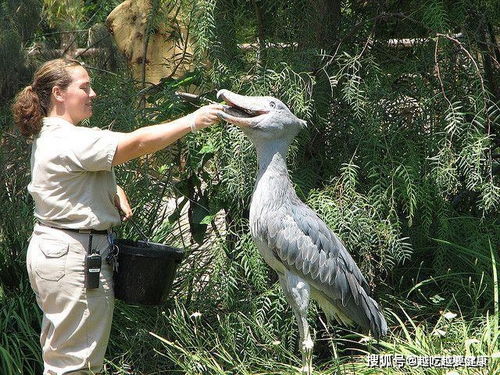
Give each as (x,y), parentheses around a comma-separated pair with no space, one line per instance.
(32,103)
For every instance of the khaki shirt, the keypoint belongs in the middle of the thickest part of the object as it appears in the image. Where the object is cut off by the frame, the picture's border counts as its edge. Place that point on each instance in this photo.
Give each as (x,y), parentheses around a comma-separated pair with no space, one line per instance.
(72,180)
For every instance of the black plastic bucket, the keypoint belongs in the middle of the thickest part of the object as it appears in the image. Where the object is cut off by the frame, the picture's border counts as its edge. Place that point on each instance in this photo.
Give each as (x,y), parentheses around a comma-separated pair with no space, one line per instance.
(146,271)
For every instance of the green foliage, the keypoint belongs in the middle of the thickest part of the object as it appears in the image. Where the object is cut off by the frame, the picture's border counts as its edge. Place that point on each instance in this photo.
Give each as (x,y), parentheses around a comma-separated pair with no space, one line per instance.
(235,343)
(377,244)
(20,328)
(451,335)
(18,20)
(399,158)
(16,222)
(66,13)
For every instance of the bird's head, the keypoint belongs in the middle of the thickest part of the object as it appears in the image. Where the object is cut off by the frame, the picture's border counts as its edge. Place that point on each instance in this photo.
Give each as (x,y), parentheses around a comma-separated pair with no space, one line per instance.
(261,118)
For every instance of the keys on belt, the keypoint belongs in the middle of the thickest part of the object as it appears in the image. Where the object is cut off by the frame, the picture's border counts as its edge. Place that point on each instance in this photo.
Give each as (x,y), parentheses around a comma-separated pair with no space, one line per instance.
(112,257)
(93,261)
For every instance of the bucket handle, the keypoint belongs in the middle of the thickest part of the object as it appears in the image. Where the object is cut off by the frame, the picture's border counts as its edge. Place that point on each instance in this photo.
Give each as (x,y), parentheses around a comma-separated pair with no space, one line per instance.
(139,230)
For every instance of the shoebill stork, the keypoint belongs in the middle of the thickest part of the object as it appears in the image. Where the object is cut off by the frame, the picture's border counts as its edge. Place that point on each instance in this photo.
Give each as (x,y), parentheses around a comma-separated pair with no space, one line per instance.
(310,260)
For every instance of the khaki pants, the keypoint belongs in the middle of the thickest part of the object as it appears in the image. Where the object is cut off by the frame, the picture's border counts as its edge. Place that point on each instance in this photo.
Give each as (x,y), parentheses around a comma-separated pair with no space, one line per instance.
(76,321)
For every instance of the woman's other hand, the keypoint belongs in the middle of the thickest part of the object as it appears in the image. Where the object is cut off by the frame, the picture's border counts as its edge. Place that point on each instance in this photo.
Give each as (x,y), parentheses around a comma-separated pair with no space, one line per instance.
(121,203)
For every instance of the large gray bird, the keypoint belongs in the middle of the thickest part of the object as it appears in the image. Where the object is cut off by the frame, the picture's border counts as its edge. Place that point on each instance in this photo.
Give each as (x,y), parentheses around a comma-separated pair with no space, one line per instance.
(309,258)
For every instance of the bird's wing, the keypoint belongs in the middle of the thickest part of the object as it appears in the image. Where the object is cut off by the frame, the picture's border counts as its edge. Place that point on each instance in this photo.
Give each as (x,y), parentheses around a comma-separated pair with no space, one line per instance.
(302,242)
(300,239)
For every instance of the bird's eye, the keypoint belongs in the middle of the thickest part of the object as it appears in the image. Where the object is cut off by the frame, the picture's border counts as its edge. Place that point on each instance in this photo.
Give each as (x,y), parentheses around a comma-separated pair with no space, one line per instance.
(272,104)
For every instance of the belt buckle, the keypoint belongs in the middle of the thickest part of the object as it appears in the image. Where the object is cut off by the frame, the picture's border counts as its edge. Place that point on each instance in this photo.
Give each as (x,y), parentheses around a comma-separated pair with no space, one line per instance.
(85,231)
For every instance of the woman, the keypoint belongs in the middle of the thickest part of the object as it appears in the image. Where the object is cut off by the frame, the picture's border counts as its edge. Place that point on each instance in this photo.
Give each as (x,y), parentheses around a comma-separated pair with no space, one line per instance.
(77,202)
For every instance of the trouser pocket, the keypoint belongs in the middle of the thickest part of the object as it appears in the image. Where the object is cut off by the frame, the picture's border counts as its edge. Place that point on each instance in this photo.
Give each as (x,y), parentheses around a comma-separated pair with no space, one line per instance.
(50,263)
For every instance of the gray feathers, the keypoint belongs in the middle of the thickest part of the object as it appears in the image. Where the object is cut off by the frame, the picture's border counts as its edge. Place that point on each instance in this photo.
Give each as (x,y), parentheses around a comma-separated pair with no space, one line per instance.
(303,243)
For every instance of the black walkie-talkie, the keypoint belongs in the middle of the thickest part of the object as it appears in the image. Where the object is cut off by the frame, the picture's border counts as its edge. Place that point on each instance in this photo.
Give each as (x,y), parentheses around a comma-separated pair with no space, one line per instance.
(93,263)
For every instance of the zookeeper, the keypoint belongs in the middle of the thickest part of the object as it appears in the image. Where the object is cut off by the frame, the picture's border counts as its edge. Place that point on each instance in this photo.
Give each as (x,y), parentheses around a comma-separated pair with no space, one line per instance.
(77,202)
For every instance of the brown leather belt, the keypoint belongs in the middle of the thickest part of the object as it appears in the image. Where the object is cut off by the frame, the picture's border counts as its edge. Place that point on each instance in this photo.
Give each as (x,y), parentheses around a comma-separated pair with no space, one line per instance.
(81,231)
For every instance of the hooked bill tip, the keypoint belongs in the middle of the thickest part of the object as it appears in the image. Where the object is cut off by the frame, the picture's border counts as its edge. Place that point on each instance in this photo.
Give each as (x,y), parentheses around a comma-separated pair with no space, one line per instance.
(220,93)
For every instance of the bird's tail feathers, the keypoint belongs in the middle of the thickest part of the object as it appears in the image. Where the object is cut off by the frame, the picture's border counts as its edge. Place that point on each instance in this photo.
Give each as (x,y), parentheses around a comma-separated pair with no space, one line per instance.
(373,314)
(365,312)
(330,310)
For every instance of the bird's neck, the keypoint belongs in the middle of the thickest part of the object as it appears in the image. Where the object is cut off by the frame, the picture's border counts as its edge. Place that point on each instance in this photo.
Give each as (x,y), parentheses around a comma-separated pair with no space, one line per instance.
(272,161)
(273,182)
(273,188)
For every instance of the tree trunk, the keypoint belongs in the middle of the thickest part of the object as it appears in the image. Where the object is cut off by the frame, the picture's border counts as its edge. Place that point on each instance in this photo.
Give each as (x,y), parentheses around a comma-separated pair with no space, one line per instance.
(326,21)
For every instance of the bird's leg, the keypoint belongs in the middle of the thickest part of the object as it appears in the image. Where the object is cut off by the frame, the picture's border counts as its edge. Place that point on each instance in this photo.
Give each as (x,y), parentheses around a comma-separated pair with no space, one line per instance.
(307,343)
(297,293)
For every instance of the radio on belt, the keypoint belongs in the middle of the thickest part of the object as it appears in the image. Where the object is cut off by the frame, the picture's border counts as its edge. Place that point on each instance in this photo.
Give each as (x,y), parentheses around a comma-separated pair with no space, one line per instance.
(93,263)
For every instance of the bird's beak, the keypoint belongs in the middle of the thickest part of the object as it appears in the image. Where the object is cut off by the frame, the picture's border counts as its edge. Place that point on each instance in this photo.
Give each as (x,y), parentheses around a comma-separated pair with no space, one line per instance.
(243,111)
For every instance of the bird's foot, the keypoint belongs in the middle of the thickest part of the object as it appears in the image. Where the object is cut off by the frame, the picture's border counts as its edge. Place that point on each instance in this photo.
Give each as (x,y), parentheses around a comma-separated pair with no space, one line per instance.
(307,345)
(306,370)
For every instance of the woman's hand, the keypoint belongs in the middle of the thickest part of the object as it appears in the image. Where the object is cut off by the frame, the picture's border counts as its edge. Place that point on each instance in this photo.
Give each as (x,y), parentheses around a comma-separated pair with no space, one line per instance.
(121,203)
(205,116)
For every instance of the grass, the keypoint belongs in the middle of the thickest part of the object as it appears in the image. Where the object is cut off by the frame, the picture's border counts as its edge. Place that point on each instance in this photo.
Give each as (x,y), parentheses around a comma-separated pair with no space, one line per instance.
(241,341)
(19,334)
(236,342)
(255,333)
(195,345)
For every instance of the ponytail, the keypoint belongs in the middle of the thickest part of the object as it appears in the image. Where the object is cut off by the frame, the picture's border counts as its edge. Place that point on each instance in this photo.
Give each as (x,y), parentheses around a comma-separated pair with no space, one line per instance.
(33,102)
(28,112)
